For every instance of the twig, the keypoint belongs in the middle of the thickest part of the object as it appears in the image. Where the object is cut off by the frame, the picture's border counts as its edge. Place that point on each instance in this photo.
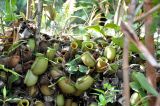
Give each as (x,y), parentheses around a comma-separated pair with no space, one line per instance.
(39,17)
(126,90)
(116,17)
(28,9)
(147,13)
(131,35)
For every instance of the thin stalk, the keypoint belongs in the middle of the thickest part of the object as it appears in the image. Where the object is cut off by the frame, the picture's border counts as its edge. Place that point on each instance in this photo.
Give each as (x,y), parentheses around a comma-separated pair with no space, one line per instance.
(117,14)
(149,42)
(126,90)
(39,18)
(151,11)
(28,9)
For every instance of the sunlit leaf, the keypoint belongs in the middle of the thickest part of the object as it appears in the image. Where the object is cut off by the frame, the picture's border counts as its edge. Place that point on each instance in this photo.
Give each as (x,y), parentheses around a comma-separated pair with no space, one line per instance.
(83,69)
(102,100)
(13,100)
(96,28)
(112,26)
(107,86)
(4,92)
(100,91)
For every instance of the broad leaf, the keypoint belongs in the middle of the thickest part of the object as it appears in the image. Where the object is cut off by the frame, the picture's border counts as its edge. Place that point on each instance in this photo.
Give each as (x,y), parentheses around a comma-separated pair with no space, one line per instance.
(102,100)
(96,28)
(119,41)
(112,26)
(72,69)
(135,86)
(83,69)
(144,83)
(4,92)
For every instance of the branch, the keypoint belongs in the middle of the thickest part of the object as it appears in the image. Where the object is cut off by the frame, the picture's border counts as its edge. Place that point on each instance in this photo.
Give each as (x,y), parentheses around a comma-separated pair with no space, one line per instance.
(131,35)
(39,17)
(28,9)
(126,91)
(149,43)
(147,13)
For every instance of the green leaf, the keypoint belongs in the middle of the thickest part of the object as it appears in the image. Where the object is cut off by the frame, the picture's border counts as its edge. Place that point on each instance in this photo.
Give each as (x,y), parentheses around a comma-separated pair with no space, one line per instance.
(12,78)
(13,100)
(135,86)
(71,63)
(114,67)
(72,69)
(102,100)
(8,70)
(83,69)
(112,26)
(119,41)
(156,22)
(144,83)
(4,92)
(1,66)
(100,91)
(16,45)
(107,86)
(96,28)
(7,6)
(13,7)
(75,61)
(10,8)
(156,2)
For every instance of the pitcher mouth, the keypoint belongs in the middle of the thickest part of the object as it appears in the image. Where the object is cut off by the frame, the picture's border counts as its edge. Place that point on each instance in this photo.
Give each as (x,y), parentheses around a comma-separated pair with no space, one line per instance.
(89,46)
(74,45)
(23,102)
(59,60)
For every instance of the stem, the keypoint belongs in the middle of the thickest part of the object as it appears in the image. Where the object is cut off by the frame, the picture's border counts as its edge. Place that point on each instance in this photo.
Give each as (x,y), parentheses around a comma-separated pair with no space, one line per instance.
(126,90)
(132,36)
(39,17)
(117,14)
(147,13)
(149,42)
(28,10)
